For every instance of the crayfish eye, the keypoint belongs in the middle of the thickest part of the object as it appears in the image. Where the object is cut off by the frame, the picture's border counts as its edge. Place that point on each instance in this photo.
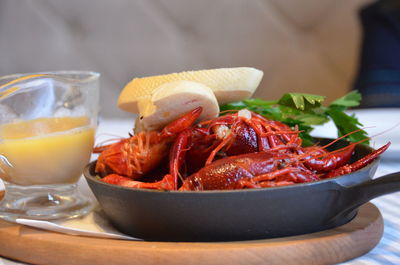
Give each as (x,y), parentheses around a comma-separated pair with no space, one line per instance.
(281,164)
(196,184)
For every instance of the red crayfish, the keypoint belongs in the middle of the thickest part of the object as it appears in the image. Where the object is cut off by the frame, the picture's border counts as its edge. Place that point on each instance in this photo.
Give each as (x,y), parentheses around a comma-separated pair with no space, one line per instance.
(235,151)
(137,155)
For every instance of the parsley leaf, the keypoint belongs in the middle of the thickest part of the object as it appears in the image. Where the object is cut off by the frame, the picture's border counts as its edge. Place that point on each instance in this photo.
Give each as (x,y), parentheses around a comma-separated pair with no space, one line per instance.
(352,99)
(346,124)
(305,110)
(301,101)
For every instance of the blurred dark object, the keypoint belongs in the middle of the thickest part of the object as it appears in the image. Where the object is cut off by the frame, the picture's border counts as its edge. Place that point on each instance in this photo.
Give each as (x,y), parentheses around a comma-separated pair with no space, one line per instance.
(378,78)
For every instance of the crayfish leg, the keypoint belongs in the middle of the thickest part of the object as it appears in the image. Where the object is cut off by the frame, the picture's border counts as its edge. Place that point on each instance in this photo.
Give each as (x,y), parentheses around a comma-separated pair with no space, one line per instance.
(165,184)
(177,155)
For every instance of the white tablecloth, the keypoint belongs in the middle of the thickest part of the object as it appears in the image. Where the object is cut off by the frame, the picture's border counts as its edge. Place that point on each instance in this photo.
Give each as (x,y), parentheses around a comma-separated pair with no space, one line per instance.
(386,252)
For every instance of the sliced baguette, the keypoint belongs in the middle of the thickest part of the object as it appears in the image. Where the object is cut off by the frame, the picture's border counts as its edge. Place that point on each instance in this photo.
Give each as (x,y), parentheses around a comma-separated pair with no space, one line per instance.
(173,99)
(228,84)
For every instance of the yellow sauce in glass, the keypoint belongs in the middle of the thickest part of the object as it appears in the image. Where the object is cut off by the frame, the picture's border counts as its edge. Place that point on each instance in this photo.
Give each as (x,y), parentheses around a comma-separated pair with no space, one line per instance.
(45,150)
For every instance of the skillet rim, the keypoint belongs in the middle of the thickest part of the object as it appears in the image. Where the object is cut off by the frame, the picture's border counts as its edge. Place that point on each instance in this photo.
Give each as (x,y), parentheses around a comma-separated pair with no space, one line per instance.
(89,176)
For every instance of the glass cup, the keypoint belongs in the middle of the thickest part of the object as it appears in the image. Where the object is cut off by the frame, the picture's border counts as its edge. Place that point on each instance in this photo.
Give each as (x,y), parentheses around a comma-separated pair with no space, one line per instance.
(47,128)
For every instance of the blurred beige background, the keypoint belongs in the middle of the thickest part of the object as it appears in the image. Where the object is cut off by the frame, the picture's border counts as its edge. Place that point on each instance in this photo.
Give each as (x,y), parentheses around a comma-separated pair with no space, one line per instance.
(301,45)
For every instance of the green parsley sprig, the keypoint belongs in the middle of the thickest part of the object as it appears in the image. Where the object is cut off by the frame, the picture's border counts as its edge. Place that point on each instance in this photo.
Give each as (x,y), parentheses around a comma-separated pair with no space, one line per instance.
(305,111)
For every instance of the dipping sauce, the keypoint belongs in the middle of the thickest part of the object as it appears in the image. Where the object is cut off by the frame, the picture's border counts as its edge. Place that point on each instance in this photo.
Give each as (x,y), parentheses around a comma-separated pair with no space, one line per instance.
(45,150)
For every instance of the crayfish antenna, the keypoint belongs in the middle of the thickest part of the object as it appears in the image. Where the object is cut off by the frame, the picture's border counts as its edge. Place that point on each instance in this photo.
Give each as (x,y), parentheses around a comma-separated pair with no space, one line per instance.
(347,134)
(100,147)
(348,148)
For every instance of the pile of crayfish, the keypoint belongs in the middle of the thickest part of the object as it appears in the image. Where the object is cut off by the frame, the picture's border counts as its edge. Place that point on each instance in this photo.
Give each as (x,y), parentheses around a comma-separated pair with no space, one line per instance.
(238,150)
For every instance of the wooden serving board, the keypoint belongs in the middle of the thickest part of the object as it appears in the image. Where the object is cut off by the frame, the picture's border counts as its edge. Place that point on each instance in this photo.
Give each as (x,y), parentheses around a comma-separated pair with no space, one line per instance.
(349,241)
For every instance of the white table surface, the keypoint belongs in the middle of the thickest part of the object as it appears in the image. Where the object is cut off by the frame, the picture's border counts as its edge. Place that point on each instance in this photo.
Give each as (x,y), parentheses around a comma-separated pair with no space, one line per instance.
(388,250)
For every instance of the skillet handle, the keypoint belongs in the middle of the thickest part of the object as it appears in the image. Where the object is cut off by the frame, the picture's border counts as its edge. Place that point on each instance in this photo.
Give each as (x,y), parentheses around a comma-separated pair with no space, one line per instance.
(374,188)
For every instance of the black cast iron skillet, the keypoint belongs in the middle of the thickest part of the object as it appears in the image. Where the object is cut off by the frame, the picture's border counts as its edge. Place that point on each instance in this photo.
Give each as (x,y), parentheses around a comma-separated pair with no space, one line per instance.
(241,214)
